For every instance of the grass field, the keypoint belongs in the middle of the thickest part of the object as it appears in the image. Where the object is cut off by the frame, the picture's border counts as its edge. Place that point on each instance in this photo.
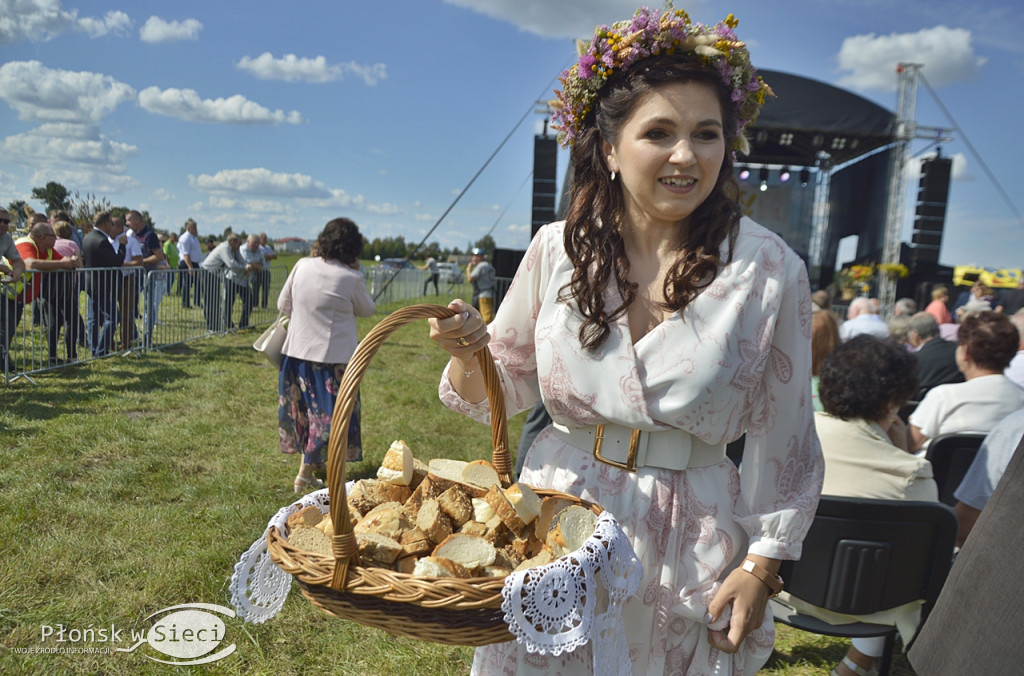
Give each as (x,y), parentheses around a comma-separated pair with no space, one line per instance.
(134,484)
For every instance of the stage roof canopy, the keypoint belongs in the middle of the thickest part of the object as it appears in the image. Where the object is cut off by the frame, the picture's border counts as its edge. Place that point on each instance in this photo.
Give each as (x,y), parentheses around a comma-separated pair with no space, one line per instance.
(807,116)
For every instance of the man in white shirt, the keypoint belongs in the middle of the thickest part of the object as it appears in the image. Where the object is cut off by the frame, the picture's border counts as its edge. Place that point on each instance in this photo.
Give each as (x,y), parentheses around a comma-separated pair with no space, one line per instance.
(224,265)
(862,317)
(190,256)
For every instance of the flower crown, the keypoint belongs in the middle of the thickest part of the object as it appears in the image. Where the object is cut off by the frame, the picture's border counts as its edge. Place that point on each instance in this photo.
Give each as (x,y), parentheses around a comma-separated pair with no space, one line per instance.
(651,33)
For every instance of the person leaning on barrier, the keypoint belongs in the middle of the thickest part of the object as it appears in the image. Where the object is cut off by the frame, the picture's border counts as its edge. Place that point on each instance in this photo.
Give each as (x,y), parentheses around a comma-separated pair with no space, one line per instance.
(51,290)
(74,324)
(255,265)
(225,258)
(11,270)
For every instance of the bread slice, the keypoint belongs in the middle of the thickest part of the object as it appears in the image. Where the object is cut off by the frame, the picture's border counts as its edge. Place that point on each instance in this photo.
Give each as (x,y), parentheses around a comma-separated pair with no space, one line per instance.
(504,509)
(377,550)
(498,533)
(310,539)
(495,571)
(434,566)
(307,516)
(474,528)
(525,500)
(424,491)
(470,551)
(570,529)
(482,511)
(433,521)
(386,519)
(550,506)
(415,543)
(480,473)
(457,505)
(419,472)
(397,465)
(326,526)
(545,557)
(368,493)
(446,473)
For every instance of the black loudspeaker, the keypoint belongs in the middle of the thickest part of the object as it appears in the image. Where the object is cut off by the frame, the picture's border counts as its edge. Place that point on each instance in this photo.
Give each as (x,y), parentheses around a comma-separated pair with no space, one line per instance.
(930,214)
(545,166)
(506,262)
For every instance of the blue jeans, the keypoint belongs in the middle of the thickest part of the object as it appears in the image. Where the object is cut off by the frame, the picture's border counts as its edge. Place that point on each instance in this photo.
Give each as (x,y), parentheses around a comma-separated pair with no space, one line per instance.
(101,322)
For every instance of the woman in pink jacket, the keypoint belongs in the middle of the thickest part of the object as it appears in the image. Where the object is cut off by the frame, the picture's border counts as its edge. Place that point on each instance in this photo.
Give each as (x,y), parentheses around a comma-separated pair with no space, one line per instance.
(322,297)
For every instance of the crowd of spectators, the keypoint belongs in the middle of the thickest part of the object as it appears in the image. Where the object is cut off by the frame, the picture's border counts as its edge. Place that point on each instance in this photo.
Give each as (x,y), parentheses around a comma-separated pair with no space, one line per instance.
(111,258)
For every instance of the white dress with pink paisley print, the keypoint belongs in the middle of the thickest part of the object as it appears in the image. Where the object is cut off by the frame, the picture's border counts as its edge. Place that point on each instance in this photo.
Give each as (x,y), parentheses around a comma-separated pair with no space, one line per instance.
(736,359)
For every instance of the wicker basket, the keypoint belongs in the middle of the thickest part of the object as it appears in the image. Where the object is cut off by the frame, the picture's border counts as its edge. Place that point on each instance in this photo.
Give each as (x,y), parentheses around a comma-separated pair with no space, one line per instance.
(453,611)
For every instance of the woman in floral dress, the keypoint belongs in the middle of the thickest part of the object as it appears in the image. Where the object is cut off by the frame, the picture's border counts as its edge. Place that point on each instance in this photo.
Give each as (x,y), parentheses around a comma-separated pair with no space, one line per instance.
(322,297)
(655,306)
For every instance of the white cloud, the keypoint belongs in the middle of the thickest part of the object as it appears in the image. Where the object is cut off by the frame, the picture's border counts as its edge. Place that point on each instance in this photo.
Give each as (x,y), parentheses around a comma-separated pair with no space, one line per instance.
(292,68)
(159,30)
(118,23)
(185,104)
(261,181)
(41,94)
(85,180)
(946,53)
(164,195)
(77,144)
(42,20)
(568,18)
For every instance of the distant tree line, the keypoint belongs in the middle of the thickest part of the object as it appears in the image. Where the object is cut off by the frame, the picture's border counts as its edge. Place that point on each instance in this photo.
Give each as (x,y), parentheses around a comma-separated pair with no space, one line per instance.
(83,208)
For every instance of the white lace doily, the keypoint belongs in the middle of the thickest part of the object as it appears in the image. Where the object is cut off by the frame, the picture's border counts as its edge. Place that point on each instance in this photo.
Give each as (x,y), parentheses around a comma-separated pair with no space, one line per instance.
(577,599)
(258,586)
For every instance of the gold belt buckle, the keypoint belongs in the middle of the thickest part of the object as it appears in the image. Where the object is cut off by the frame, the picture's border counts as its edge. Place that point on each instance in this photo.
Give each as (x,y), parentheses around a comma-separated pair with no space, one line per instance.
(634,442)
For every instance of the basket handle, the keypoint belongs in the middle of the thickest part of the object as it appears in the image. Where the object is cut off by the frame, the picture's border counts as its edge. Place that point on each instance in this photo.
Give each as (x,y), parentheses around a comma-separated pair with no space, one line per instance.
(344,542)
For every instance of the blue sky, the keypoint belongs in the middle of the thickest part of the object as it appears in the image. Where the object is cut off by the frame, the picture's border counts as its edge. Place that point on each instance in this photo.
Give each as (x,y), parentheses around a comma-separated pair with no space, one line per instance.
(277,116)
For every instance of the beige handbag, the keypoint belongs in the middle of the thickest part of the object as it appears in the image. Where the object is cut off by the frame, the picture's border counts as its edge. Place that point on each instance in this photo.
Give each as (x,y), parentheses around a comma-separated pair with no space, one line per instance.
(271,341)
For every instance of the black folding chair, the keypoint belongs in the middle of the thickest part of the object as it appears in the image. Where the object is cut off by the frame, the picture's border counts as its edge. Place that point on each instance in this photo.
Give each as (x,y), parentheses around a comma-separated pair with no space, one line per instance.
(863,556)
(951,456)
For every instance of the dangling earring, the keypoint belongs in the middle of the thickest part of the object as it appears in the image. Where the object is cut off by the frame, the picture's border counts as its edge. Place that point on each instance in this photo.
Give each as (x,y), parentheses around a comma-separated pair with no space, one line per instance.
(613,177)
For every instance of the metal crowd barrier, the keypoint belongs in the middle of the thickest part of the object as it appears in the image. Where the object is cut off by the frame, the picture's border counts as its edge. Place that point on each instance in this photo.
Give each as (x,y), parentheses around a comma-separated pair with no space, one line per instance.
(82,315)
(145,311)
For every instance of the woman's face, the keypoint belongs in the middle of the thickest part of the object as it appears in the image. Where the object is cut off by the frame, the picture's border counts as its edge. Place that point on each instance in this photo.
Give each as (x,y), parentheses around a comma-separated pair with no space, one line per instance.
(669,153)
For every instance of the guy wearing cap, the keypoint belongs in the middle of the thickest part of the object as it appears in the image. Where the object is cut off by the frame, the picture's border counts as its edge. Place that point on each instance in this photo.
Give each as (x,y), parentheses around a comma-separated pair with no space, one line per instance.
(482,275)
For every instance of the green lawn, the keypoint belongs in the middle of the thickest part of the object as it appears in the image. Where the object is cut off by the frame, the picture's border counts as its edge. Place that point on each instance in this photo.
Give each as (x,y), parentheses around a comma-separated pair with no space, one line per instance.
(132,484)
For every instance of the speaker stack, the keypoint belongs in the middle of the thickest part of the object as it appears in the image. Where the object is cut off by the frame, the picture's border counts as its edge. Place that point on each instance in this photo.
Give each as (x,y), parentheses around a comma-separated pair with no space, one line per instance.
(930,215)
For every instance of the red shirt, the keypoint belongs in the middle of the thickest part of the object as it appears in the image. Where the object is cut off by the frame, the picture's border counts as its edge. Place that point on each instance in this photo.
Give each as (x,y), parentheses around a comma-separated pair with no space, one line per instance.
(28,249)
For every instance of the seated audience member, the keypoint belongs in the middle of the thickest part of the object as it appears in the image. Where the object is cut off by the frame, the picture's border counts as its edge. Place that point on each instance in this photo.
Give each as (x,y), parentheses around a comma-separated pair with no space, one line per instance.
(1015,371)
(862,317)
(980,298)
(1011,301)
(904,307)
(820,300)
(864,382)
(824,338)
(983,476)
(986,343)
(899,331)
(936,358)
(939,307)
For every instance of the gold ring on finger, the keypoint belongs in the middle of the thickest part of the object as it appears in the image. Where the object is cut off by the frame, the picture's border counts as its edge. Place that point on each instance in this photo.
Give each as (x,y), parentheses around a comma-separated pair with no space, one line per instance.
(462,342)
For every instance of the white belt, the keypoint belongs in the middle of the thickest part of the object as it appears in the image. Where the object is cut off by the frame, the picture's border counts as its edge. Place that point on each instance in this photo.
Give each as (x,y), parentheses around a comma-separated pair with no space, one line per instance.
(630,449)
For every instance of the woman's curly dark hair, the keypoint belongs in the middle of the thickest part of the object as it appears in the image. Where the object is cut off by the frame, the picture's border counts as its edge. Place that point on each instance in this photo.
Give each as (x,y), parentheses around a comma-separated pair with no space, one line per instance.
(991,339)
(865,376)
(340,240)
(592,239)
